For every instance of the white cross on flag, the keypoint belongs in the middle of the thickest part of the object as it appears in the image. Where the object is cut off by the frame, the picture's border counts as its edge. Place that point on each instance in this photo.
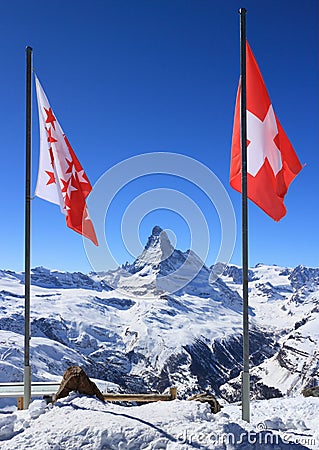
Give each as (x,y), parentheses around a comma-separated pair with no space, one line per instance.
(61,178)
(272,163)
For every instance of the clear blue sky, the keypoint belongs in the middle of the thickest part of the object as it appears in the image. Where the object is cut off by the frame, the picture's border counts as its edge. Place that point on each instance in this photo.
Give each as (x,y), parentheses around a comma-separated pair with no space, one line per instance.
(131,77)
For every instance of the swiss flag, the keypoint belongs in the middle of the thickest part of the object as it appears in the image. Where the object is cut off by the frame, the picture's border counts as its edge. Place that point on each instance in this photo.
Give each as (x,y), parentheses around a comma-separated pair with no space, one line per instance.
(272,163)
(61,178)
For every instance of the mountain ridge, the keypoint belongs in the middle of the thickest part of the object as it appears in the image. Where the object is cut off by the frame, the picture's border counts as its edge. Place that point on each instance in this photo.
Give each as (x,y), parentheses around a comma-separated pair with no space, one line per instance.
(125,328)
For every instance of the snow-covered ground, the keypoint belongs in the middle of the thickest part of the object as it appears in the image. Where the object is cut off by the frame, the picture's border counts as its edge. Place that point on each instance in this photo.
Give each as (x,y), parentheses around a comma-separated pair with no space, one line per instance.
(79,422)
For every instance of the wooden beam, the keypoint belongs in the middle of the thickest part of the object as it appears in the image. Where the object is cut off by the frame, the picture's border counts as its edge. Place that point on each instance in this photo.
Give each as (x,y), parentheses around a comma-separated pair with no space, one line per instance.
(141,397)
(46,390)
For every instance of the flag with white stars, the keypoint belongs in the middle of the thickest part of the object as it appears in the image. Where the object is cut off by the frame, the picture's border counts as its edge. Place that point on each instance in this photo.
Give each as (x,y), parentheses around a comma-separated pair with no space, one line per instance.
(61,178)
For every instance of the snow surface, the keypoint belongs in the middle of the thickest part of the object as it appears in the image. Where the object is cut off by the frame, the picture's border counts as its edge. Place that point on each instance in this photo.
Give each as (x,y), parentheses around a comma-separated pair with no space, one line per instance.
(79,422)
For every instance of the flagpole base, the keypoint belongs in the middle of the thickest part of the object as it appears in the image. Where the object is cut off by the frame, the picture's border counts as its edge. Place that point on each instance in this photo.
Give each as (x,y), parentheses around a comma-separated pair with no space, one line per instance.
(27,387)
(245,396)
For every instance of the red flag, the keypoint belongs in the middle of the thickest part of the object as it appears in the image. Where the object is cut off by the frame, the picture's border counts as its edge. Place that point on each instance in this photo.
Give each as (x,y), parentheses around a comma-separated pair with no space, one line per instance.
(272,163)
(61,178)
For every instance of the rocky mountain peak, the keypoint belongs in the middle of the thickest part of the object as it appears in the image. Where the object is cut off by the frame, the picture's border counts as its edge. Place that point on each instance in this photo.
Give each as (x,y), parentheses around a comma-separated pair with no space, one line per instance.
(157,230)
(161,268)
(159,239)
(157,249)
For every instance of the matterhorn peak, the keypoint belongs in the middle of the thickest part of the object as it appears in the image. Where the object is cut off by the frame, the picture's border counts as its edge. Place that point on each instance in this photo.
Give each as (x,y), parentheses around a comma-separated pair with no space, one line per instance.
(159,239)
(158,247)
(154,238)
(157,230)
(162,268)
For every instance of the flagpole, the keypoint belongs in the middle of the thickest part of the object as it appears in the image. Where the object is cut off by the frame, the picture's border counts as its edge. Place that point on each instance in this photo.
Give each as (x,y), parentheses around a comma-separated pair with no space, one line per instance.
(243,130)
(27,254)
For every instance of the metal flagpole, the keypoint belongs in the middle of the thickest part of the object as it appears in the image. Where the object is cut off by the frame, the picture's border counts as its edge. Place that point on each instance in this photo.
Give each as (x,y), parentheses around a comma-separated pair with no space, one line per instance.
(27,254)
(243,130)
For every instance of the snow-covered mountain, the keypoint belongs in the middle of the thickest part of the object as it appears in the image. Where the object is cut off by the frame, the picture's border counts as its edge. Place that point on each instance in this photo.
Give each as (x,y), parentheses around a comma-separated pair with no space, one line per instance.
(286,302)
(159,322)
(161,269)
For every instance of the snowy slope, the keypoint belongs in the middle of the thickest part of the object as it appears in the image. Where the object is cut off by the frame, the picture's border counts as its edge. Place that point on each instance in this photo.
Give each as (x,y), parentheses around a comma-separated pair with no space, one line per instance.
(125,327)
(133,341)
(86,423)
(286,301)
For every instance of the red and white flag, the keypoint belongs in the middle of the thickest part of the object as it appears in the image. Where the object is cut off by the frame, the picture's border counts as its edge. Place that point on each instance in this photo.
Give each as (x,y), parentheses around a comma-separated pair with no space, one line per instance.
(272,163)
(61,178)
